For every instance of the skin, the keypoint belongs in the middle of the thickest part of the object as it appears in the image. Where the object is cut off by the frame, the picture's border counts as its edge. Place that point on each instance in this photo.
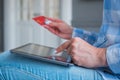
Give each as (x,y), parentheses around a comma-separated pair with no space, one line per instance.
(59,28)
(81,52)
(84,54)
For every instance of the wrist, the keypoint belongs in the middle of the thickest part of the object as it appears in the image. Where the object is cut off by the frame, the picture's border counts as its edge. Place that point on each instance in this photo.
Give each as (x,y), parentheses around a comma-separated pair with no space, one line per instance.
(70,33)
(102,57)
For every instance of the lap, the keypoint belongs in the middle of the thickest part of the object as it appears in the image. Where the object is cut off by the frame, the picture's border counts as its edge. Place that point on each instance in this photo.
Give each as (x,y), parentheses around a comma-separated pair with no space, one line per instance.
(13,67)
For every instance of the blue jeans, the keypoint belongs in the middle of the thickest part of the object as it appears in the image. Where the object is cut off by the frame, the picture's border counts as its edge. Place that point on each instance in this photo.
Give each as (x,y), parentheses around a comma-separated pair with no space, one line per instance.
(16,67)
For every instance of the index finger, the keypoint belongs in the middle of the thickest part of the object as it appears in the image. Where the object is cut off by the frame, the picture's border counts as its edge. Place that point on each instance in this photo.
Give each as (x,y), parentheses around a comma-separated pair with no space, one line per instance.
(54,19)
(63,46)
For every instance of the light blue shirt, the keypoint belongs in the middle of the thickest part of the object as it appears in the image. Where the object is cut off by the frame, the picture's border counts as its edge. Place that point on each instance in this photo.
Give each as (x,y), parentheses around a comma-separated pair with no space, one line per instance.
(108,37)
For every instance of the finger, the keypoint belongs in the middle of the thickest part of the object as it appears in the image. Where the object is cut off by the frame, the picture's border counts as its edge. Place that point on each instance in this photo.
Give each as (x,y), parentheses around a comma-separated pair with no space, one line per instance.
(50,29)
(74,60)
(69,50)
(60,58)
(53,30)
(54,19)
(54,24)
(63,46)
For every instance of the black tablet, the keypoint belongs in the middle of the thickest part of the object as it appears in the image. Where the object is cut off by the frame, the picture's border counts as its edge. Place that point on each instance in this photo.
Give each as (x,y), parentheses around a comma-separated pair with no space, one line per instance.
(44,53)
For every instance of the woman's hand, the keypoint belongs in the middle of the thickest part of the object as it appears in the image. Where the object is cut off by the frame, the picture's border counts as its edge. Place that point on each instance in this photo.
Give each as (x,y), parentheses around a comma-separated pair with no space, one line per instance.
(84,54)
(59,28)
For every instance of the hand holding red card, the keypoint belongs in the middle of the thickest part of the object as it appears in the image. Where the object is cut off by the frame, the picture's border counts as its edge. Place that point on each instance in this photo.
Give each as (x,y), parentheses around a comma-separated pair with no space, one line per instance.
(55,26)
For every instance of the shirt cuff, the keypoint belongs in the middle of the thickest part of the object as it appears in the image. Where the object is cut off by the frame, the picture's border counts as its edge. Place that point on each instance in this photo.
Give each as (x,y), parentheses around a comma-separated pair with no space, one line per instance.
(77,33)
(113,58)
(73,34)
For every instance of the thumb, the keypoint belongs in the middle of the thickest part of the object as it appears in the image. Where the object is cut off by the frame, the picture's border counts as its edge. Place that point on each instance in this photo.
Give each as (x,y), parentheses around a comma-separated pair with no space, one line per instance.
(63,46)
(54,24)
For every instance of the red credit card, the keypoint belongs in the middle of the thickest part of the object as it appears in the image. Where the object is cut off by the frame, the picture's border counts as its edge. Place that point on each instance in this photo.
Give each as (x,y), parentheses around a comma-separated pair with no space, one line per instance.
(40,20)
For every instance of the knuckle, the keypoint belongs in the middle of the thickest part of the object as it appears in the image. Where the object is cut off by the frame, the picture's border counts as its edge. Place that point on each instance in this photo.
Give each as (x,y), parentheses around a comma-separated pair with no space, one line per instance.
(73,45)
(74,57)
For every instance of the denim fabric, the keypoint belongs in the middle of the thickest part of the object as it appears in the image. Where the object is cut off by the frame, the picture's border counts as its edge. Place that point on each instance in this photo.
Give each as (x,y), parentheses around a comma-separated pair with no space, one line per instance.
(12,73)
(16,67)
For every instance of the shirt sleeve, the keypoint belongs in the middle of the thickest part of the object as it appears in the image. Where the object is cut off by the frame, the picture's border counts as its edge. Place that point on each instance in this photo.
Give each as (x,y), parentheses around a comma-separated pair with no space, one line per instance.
(113,58)
(93,38)
(90,37)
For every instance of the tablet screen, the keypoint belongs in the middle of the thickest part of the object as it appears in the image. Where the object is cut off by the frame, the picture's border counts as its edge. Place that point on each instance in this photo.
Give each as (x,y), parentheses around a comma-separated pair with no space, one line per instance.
(36,50)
